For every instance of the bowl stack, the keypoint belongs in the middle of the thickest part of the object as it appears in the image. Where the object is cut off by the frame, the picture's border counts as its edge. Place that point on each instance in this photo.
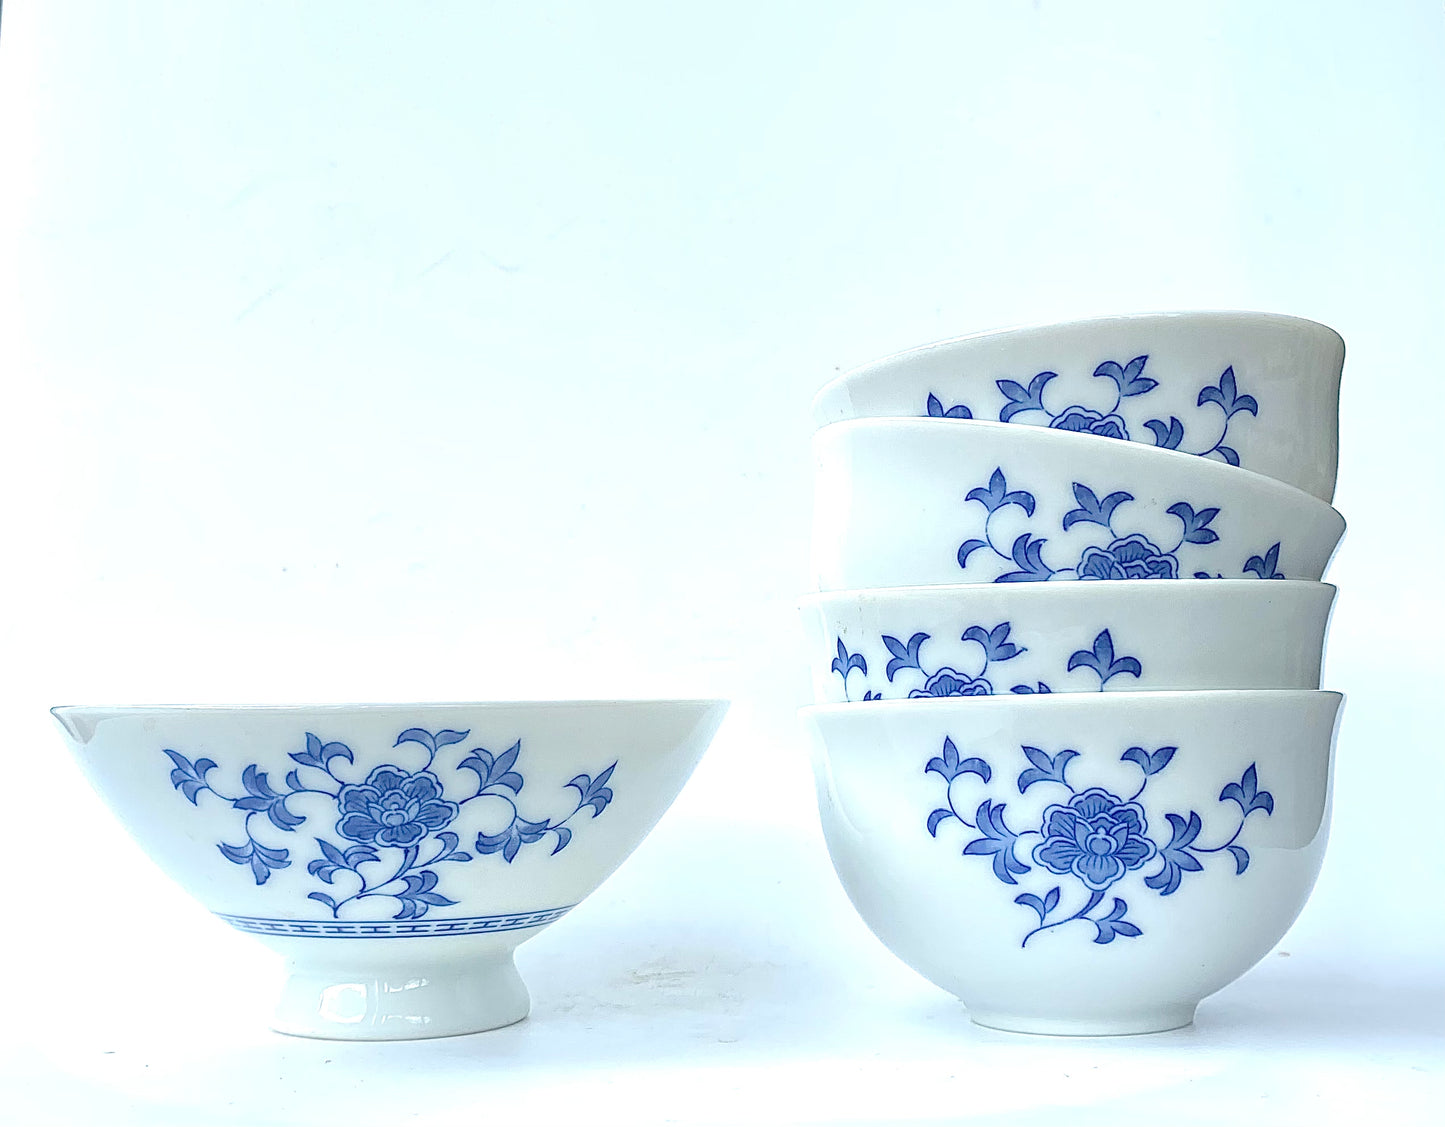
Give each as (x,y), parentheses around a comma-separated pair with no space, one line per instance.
(1115,531)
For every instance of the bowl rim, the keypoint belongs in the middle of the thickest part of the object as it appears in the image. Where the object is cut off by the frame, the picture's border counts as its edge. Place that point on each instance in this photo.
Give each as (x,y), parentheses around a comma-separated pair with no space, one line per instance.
(364,707)
(1043,702)
(1229,588)
(1032,328)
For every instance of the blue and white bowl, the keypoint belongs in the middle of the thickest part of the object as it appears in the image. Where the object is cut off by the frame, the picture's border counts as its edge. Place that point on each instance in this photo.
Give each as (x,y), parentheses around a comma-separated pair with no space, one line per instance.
(973,640)
(391,852)
(1078,864)
(906,502)
(1256,390)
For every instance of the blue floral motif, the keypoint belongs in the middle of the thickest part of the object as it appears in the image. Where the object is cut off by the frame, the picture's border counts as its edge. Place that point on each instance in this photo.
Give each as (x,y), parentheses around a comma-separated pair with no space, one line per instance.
(1092,837)
(393,807)
(1130,381)
(396,819)
(1082,420)
(1096,836)
(949,683)
(1130,557)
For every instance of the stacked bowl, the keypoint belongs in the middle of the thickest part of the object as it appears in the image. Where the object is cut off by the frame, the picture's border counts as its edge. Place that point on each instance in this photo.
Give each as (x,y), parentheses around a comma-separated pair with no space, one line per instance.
(1073,759)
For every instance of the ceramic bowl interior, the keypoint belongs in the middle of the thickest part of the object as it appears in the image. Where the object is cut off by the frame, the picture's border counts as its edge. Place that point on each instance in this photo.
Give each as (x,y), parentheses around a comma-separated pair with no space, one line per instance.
(904,502)
(395,854)
(988,639)
(1082,864)
(1252,389)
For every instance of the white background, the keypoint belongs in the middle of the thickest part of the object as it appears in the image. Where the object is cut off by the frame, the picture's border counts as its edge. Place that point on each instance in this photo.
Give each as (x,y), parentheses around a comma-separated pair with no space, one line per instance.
(463,351)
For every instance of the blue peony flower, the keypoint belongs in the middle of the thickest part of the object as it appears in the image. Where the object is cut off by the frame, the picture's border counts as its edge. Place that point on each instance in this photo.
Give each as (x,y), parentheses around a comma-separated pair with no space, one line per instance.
(1084,421)
(393,808)
(1095,836)
(949,683)
(1132,557)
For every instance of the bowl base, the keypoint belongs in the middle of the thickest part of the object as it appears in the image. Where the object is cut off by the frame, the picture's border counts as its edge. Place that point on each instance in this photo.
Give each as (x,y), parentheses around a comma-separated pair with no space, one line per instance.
(1158,1020)
(343,1005)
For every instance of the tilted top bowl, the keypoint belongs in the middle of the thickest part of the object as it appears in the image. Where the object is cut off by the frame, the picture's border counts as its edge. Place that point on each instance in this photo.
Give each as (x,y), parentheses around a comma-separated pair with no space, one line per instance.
(1255,389)
(901,502)
(1078,864)
(395,854)
(969,640)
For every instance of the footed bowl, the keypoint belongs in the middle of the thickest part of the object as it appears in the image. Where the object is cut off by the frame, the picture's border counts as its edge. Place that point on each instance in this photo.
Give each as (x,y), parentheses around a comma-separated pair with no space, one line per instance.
(396,855)
(1079,864)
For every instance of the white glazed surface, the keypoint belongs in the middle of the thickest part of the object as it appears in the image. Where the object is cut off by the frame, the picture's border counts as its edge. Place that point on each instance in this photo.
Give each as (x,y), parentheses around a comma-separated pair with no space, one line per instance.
(897,502)
(985,639)
(891,817)
(427,953)
(1288,367)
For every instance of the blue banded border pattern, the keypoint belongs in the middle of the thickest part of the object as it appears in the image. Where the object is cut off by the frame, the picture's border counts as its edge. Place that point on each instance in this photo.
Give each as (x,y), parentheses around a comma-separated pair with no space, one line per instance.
(395,929)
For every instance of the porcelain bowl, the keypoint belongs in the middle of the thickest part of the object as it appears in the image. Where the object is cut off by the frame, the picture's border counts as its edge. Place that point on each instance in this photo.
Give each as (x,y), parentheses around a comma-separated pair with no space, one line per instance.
(906,502)
(1079,864)
(396,855)
(972,640)
(1256,390)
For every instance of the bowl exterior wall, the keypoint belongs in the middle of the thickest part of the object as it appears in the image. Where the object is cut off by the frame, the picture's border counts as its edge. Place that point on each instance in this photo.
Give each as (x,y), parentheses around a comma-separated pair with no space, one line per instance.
(985,640)
(466,827)
(1263,389)
(1058,868)
(902,502)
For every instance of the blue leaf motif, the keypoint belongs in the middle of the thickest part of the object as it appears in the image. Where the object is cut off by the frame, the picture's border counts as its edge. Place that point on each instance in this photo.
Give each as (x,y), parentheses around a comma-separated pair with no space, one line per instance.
(950,766)
(957,411)
(1166,437)
(1045,769)
(1228,454)
(1028,554)
(995,643)
(998,842)
(1102,661)
(494,771)
(997,494)
(1091,510)
(1151,763)
(1114,924)
(1196,525)
(934,819)
(189,778)
(1176,857)
(904,656)
(1246,793)
(595,792)
(260,859)
(1024,690)
(1266,566)
(1043,906)
(1130,377)
(1019,399)
(845,662)
(320,754)
(1226,395)
(967,548)
(1241,858)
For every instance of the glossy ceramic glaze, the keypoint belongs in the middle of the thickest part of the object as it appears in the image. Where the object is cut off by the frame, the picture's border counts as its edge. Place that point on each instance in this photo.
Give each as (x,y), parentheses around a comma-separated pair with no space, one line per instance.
(1078,864)
(987,639)
(902,502)
(1255,389)
(396,855)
